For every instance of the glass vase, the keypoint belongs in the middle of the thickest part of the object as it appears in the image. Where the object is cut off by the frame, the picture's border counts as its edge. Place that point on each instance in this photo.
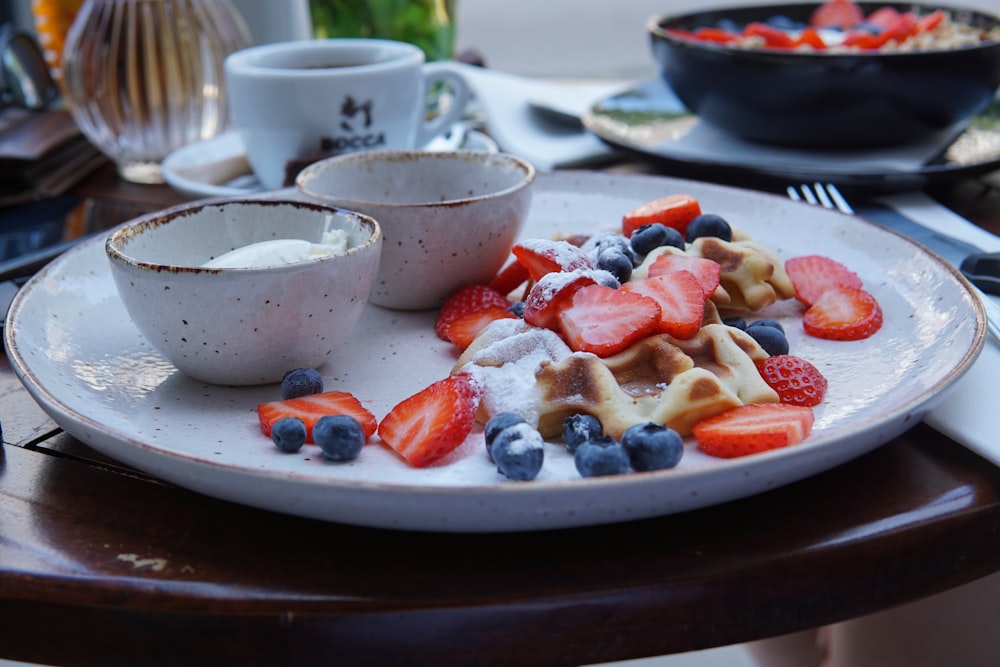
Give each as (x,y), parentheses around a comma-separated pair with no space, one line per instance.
(144,77)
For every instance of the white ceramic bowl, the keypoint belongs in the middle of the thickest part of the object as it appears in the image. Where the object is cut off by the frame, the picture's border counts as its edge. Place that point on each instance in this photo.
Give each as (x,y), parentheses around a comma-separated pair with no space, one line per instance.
(246,325)
(449,218)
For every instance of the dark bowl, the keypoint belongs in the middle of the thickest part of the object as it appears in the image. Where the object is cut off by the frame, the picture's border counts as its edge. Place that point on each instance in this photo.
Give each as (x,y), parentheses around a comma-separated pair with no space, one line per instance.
(825,99)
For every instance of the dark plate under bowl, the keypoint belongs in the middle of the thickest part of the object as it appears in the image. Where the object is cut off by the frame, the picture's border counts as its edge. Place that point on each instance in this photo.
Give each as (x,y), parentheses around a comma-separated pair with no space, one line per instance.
(825,99)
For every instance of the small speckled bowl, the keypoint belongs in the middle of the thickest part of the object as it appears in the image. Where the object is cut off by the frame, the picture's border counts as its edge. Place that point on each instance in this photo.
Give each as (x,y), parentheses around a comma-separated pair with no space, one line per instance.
(449,218)
(242,326)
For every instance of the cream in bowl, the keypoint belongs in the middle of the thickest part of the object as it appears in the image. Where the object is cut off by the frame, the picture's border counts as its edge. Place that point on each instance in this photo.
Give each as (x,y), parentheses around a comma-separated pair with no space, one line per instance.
(449,218)
(238,292)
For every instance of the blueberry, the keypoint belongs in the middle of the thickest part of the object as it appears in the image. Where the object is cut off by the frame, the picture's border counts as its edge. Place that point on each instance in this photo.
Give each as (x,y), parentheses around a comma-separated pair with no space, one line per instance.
(580,428)
(615,262)
(709,224)
(650,237)
(517,308)
(495,425)
(601,456)
(769,323)
(782,22)
(770,338)
(652,446)
(736,322)
(519,452)
(301,382)
(597,245)
(339,436)
(289,434)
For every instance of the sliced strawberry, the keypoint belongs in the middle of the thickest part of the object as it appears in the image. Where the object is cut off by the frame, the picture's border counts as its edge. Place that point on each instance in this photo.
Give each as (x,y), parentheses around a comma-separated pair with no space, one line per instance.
(811,275)
(843,313)
(542,256)
(463,330)
(673,211)
(810,37)
(467,300)
(796,381)
(841,14)
(883,17)
(862,39)
(930,21)
(905,26)
(707,271)
(754,428)
(604,320)
(511,276)
(774,38)
(552,294)
(310,408)
(432,422)
(681,301)
(717,35)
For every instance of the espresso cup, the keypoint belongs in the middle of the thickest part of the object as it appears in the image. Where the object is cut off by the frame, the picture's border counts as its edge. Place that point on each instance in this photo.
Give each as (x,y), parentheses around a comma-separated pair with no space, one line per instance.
(296,102)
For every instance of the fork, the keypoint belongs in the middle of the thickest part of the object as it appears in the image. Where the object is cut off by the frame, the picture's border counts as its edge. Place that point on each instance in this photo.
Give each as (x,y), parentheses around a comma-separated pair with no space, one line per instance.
(828,196)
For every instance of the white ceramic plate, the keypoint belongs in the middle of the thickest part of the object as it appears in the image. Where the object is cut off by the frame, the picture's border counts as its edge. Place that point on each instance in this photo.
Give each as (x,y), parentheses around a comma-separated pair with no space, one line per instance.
(218,167)
(72,344)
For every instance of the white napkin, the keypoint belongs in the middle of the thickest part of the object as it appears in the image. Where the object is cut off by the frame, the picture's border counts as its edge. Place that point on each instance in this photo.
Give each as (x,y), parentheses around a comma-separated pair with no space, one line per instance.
(968,414)
(510,120)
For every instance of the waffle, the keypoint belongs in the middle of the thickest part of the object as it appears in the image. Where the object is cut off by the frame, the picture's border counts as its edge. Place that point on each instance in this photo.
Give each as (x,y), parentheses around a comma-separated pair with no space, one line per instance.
(660,379)
(752,277)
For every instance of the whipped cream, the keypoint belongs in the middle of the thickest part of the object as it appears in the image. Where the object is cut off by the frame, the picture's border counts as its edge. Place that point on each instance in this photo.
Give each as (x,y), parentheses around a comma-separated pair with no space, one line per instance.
(277,252)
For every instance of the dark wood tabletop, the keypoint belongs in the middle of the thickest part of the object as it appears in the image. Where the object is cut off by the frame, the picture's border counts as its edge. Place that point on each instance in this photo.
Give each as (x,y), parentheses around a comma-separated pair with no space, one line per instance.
(104,565)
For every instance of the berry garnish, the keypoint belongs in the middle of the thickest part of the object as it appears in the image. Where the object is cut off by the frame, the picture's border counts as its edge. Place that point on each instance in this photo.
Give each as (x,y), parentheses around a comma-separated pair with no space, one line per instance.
(301,382)
(433,422)
(310,408)
(754,428)
(796,381)
(604,321)
(709,224)
(615,262)
(511,276)
(578,429)
(675,211)
(519,452)
(600,457)
(553,293)
(652,446)
(772,339)
(707,271)
(340,437)
(656,235)
(811,275)
(681,301)
(463,330)
(466,300)
(843,313)
(542,256)
(841,14)
(289,434)
(497,423)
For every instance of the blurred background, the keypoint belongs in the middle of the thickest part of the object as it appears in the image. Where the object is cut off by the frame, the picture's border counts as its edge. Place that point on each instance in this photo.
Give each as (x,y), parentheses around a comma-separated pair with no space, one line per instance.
(602,39)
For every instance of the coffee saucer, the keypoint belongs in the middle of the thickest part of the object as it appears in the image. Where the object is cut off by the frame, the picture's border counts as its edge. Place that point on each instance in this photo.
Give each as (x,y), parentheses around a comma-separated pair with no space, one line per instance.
(218,167)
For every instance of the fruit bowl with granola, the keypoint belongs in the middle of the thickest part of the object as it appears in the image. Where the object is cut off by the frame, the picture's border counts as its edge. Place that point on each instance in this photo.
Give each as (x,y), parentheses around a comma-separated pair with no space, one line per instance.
(425,407)
(836,74)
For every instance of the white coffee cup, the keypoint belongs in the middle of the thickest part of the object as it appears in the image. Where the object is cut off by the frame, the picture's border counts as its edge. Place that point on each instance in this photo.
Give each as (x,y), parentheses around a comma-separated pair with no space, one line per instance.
(298,101)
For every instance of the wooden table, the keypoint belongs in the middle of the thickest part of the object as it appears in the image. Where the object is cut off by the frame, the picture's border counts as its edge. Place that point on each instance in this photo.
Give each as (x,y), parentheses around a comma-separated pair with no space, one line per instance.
(103,565)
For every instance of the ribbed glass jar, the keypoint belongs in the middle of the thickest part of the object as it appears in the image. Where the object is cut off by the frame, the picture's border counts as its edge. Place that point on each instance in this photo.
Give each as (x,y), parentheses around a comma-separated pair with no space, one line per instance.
(144,77)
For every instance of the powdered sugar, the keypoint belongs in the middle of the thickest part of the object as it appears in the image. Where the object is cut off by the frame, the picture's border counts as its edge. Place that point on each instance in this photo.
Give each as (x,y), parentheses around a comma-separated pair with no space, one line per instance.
(506,367)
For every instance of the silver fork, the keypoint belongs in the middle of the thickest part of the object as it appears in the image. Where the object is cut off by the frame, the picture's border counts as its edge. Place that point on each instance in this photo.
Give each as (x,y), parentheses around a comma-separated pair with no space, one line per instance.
(828,196)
